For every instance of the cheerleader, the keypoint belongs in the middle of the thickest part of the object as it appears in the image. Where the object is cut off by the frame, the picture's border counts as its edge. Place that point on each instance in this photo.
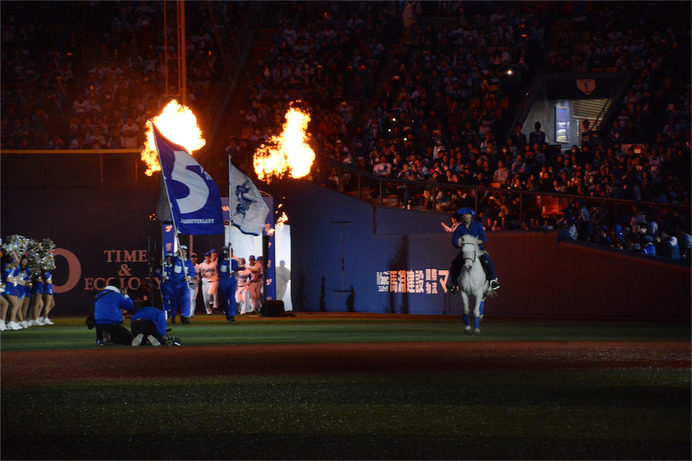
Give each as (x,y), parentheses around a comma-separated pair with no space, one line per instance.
(10,273)
(36,297)
(3,306)
(48,299)
(23,291)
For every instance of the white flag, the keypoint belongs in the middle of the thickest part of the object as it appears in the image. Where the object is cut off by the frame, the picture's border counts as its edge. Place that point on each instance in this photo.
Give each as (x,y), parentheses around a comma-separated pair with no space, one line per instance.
(247,209)
(193,196)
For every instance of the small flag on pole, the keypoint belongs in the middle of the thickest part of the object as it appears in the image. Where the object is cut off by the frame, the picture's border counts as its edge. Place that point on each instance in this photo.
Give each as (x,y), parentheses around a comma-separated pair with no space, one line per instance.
(193,195)
(247,209)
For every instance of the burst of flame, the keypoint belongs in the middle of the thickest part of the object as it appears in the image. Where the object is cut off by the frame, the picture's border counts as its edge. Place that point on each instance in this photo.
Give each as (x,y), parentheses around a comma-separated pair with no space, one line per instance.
(279,224)
(282,220)
(179,125)
(286,154)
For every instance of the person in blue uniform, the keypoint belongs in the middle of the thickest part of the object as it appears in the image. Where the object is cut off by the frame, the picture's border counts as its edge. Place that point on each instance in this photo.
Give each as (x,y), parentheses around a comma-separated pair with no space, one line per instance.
(24,290)
(468,226)
(48,298)
(183,271)
(228,266)
(165,274)
(108,315)
(10,275)
(36,293)
(148,324)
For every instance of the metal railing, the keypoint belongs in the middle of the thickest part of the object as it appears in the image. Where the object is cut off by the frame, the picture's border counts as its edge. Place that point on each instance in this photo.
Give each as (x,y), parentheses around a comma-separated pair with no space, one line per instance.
(525,205)
(362,185)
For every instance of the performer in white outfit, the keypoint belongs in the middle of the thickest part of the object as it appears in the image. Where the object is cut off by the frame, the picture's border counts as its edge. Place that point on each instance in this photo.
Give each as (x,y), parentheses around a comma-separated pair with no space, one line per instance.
(210,281)
(194,285)
(243,275)
(255,288)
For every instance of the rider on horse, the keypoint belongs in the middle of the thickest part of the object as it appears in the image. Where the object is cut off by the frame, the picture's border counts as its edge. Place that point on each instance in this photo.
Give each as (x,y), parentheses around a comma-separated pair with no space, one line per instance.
(468,226)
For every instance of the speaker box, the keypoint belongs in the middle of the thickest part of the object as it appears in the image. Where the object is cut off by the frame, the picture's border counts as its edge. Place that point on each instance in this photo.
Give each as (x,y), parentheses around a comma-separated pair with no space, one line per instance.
(272,308)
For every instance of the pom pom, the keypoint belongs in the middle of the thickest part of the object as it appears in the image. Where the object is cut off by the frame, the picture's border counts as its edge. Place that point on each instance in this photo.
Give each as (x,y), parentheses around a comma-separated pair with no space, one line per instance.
(16,243)
(47,258)
(34,253)
(40,254)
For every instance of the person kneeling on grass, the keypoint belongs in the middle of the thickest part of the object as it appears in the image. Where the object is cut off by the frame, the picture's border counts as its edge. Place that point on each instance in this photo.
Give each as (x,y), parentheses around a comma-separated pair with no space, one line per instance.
(148,324)
(108,315)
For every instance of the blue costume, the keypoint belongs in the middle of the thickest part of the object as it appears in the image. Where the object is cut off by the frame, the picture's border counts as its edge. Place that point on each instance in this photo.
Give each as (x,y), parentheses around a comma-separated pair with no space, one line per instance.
(474,229)
(166,276)
(584,224)
(227,283)
(180,290)
(10,287)
(47,283)
(23,291)
(109,306)
(148,321)
(673,243)
(36,287)
(152,314)
(108,316)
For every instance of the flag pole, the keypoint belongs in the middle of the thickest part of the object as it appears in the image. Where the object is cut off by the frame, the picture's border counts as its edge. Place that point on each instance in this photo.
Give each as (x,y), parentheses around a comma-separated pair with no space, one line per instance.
(175,230)
(170,205)
(230,199)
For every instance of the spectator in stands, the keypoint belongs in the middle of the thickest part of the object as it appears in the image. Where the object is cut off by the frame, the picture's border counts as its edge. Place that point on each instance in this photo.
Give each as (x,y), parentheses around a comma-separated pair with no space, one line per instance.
(537,136)
(649,248)
(584,224)
(445,69)
(519,168)
(501,174)
(518,138)
(404,190)
(382,169)
(130,134)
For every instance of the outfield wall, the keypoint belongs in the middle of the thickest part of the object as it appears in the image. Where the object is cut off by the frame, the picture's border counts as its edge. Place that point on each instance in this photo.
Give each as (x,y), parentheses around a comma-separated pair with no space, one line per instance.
(350,256)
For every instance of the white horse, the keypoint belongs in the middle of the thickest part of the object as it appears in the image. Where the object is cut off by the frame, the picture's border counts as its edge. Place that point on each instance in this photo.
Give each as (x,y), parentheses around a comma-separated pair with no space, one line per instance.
(472,282)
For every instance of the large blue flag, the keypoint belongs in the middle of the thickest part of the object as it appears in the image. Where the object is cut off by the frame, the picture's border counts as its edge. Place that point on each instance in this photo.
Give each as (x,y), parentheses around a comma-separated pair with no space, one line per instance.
(247,209)
(193,195)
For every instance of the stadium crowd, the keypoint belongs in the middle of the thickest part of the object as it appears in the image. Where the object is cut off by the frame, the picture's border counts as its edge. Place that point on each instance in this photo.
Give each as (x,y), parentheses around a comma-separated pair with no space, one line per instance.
(59,94)
(437,118)
(415,90)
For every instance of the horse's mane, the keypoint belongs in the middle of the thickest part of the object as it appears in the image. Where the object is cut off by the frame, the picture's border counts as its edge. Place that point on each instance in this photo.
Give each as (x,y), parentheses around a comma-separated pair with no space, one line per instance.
(467,238)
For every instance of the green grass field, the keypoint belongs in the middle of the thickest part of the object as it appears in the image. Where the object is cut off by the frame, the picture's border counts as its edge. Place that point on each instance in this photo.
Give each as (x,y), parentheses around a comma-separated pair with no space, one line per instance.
(71,333)
(639,413)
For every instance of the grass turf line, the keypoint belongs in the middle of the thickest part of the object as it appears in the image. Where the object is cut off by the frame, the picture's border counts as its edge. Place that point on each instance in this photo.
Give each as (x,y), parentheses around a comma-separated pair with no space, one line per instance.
(630,414)
(71,333)
(605,414)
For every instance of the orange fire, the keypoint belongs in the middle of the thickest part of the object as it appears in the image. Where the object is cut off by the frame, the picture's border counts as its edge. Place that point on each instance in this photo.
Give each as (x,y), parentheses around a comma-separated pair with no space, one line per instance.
(287,154)
(282,220)
(279,224)
(179,125)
